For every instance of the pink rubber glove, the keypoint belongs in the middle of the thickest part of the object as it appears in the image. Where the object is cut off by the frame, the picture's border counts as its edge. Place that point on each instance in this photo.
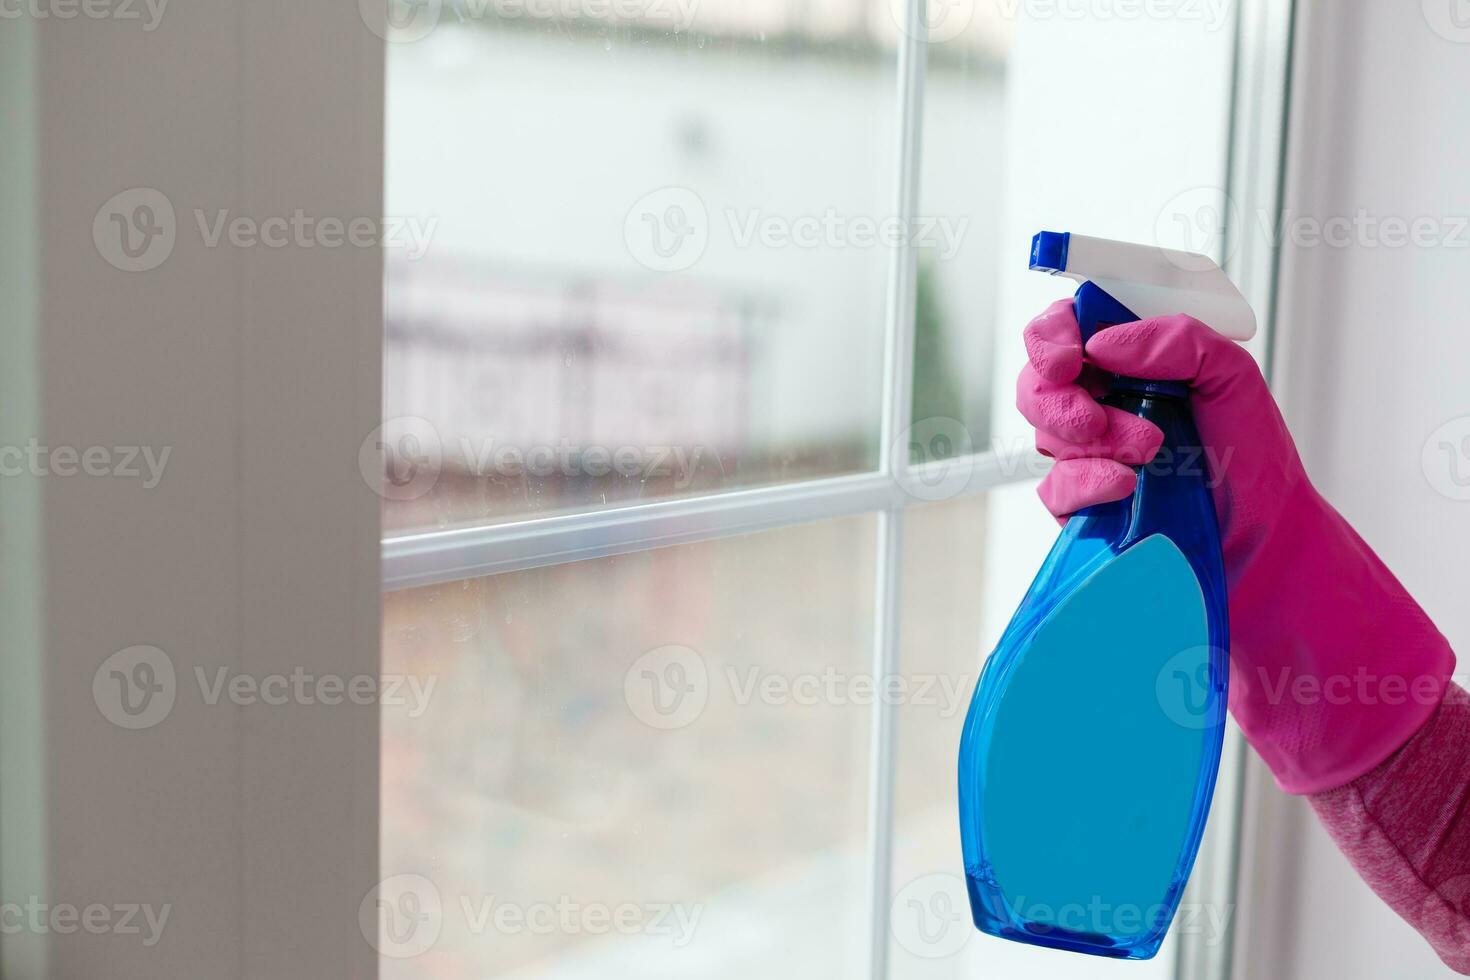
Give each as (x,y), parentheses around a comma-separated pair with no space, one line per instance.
(1333,665)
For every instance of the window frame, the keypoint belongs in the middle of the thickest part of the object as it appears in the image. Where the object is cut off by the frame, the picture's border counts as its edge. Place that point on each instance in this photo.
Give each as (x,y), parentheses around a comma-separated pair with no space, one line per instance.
(257,552)
(1257,122)
(214,566)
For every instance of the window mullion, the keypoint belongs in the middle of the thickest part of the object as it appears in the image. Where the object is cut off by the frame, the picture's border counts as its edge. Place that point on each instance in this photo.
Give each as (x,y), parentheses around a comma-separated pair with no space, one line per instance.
(434,557)
(894,461)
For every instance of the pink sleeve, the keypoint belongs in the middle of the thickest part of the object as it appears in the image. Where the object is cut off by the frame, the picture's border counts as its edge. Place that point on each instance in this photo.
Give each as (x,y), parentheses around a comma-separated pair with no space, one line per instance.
(1405,826)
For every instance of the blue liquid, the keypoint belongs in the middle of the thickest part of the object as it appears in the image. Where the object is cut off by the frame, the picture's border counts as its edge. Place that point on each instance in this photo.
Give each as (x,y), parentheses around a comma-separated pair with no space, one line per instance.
(1090,751)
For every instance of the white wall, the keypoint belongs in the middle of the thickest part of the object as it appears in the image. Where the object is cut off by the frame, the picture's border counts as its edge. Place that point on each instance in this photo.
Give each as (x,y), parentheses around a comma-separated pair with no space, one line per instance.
(1372,358)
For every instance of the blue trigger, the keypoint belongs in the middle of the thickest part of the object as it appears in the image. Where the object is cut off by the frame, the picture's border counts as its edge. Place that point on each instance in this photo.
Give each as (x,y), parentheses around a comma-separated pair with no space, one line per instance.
(1096,308)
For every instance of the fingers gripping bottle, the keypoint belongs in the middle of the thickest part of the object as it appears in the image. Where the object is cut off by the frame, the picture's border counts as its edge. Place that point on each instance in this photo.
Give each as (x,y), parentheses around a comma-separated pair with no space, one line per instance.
(1090,750)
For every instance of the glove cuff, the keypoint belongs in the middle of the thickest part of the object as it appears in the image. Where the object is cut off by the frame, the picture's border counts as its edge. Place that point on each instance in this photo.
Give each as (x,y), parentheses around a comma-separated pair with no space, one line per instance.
(1334,666)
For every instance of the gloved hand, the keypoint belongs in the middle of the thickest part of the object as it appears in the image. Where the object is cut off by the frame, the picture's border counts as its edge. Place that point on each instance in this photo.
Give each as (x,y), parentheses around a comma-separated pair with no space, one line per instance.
(1333,665)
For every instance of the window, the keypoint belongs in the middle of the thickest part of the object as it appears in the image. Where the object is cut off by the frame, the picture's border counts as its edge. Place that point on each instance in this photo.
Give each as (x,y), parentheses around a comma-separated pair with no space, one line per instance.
(704,494)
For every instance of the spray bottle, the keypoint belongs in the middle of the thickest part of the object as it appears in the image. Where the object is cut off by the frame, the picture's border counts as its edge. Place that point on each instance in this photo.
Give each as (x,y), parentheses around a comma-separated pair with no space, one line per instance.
(1090,750)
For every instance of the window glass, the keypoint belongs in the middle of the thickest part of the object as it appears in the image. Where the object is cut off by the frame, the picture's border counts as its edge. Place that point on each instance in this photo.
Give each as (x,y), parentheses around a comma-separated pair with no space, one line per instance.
(654,765)
(657,267)
(959,252)
(643,253)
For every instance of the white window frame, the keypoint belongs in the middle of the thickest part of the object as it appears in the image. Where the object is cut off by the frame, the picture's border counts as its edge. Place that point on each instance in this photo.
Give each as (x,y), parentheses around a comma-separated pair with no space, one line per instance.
(263,830)
(1257,118)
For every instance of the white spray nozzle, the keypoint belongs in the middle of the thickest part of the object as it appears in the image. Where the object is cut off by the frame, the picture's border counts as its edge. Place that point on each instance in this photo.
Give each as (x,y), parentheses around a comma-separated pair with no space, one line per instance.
(1149,280)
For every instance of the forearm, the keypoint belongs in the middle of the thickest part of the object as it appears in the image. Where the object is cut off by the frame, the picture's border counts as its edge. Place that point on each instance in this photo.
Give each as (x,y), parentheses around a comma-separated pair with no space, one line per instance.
(1405,826)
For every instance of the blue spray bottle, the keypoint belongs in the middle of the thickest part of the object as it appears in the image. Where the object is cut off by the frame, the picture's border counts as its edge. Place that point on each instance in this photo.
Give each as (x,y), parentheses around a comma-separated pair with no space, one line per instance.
(1090,750)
